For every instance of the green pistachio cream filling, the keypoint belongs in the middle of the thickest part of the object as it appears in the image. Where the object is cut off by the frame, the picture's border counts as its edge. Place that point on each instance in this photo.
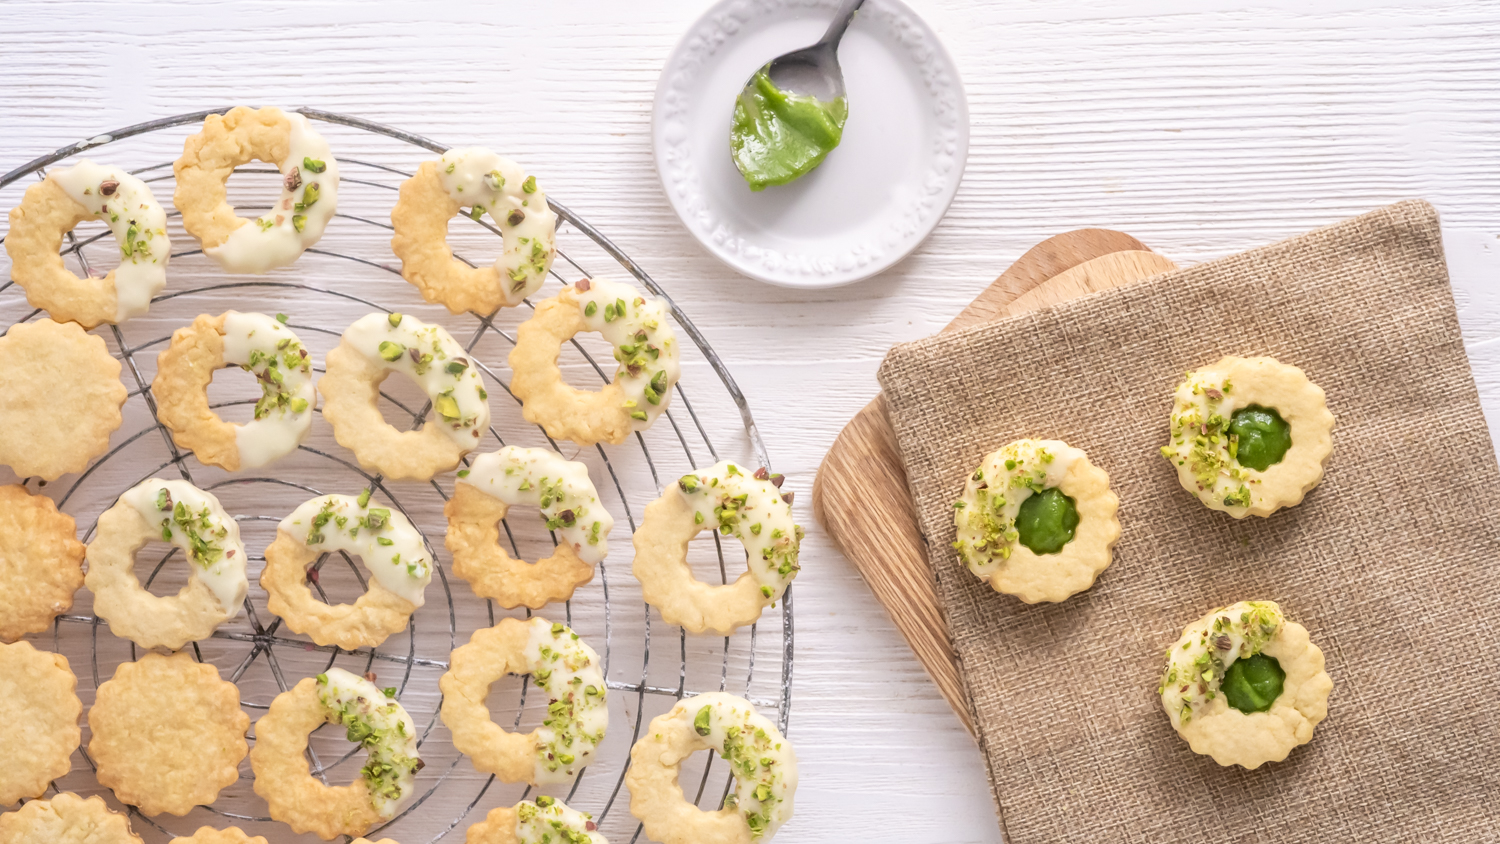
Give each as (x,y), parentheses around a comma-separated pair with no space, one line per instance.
(1252,684)
(778,136)
(1261,437)
(1047,521)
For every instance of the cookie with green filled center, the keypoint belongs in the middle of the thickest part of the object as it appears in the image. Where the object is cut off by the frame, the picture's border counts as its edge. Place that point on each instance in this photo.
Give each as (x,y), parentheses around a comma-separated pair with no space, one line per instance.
(1037,521)
(1244,685)
(1249,435)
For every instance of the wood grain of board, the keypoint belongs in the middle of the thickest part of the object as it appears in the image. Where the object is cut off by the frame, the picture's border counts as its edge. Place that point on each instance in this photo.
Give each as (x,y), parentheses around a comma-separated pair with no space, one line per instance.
(860,495)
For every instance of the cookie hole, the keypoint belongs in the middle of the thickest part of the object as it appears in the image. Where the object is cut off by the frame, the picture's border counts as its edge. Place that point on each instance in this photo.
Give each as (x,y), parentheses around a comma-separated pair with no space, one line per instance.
(162,568)
(1254,683)
(338,577)
(705,792)
(1047,521)
(1259,437)
(96,248)
(576,370)
(253,189)
(524,535)
(517,704)
(716,559)
(233,393)
(400,400)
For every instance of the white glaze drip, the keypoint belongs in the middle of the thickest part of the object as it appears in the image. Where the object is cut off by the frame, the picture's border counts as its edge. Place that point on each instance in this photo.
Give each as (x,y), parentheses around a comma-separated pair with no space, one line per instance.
(383,539)
(536,477)
(487,183)
(274,239)
(135,219)
(186,513)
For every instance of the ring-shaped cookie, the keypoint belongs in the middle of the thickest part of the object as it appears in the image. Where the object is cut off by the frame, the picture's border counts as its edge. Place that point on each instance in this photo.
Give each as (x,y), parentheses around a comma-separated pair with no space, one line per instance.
(39,707)
(1203,449)
(762,761)
(60,398)
(485,183)
(41,563)
(370,350)
(645,347)
(53,207)
(186,516)
(309,187)
(570,507)
(258,344)
(545,820)
(562,666)
(66,819)
(372,718)
(168,733)
(729,499)
(1191,687)
(985,519)
(391,548)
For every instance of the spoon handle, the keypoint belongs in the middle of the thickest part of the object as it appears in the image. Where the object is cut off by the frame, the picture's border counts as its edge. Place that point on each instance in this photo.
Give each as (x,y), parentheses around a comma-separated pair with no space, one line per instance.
(840,23)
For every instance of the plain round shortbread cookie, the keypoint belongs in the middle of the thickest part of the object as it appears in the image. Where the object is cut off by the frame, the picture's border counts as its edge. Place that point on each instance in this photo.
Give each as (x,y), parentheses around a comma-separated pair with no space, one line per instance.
(39,707)
(41,562)
(66,819)
(60,398)
(168,733)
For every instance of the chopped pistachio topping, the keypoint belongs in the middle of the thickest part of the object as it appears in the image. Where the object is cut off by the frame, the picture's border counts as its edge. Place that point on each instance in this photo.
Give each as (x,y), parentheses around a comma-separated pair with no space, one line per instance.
(375,721)
(1197,662)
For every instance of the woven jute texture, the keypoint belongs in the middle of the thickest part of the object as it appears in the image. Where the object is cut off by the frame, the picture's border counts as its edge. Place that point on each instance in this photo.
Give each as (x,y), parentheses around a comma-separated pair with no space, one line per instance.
(1391,563)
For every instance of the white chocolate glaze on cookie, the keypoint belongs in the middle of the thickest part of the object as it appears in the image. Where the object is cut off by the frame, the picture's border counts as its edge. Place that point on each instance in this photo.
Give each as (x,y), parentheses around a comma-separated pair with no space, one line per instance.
(389,545)
(562,489)
(486,183)
(270,351)
(194,521)
(137,221)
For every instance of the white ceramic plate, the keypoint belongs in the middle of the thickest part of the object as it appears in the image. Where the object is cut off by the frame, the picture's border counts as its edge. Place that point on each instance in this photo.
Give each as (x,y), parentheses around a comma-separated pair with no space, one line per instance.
(872,201)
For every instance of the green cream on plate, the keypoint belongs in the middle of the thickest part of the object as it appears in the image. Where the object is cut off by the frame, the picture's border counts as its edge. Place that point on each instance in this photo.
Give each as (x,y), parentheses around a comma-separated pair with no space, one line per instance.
(779,136)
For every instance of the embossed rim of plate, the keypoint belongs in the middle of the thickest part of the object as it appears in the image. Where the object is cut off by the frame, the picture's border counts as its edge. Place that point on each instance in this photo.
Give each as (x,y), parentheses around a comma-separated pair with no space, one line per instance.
(702,44)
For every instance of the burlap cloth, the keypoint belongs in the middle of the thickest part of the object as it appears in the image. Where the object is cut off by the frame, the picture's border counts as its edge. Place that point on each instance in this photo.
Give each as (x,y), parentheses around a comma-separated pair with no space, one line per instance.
(1390,564)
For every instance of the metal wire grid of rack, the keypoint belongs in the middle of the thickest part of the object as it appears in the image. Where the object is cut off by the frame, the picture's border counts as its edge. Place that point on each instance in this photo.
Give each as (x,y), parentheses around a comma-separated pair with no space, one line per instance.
(260,636)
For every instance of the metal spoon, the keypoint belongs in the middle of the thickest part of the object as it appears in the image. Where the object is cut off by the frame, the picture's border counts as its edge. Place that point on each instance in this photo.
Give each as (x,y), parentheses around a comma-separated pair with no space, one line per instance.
(814,71)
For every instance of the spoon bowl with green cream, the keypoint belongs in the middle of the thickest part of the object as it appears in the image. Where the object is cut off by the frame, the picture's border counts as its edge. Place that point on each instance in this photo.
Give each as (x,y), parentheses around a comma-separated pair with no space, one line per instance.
(791,113)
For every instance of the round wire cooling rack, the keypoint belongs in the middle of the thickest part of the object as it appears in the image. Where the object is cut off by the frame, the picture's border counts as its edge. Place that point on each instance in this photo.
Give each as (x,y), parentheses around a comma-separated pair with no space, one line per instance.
(348,274)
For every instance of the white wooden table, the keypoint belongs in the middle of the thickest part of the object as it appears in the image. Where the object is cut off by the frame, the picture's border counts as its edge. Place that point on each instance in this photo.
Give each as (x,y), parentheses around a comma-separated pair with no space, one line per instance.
(1202,127)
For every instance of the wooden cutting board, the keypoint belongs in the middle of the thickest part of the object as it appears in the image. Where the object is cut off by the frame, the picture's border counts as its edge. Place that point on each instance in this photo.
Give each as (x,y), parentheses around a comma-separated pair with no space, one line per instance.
(860,495)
